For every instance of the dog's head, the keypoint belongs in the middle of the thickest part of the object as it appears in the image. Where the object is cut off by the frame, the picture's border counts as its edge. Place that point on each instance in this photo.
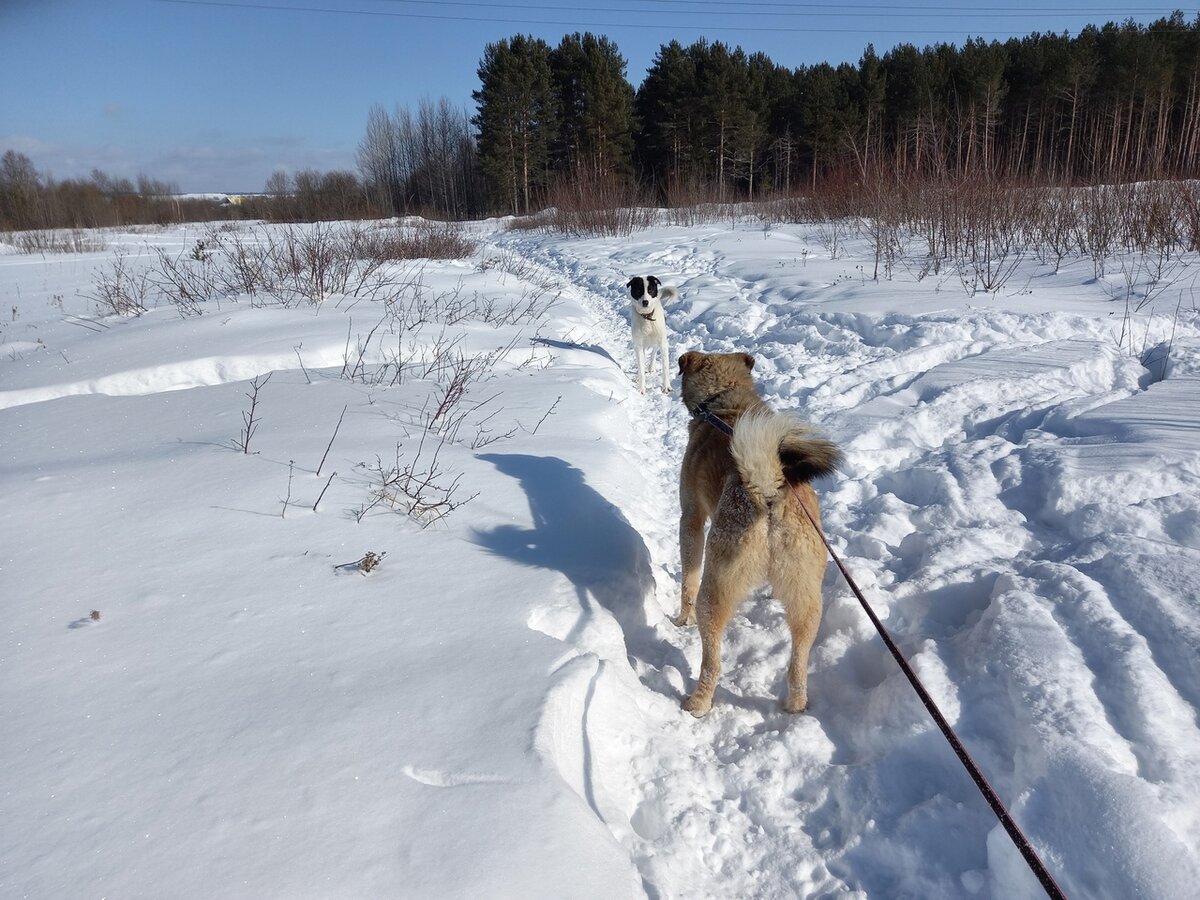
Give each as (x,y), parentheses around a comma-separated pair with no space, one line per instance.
(705,375)
(643,290)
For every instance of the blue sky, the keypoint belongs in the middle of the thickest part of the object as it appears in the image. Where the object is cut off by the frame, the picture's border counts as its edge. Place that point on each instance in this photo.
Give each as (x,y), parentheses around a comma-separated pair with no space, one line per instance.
(215,96)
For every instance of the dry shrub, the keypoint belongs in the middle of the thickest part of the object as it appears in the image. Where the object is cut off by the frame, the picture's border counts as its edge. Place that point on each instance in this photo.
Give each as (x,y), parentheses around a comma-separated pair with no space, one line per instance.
(1189,204)
(588,205)
(370,561)
(693,202)
(415,484)
(795,209)
(123,289)
(290,266)
(426,240)
(58,240)
(539,221)
(982,227)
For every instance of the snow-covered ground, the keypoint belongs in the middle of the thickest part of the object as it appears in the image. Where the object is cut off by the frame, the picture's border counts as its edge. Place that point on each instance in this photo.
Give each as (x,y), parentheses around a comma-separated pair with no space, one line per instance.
(494,710)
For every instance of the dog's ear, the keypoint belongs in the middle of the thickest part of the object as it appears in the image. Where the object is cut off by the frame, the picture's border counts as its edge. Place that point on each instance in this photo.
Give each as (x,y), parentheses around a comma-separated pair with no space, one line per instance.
(652,285)
(630,282)
(636,288)
(748,360)
(690,361)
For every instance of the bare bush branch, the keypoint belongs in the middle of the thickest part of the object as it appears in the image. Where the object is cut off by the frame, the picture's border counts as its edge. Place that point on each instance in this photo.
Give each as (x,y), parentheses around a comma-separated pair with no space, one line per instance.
(418,487)
(323,490)
(250,417)
(332,439)
(121,289)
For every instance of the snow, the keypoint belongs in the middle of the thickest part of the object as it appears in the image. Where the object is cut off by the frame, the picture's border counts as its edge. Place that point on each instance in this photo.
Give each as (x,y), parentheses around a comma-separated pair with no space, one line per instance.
(495,709)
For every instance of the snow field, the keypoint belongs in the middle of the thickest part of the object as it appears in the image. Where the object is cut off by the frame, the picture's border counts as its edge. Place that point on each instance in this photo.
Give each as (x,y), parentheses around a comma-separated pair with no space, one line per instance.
(495,709)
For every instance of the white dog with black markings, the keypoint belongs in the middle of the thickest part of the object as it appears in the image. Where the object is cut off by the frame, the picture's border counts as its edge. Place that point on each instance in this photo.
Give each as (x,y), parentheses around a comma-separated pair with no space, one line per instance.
(650,326)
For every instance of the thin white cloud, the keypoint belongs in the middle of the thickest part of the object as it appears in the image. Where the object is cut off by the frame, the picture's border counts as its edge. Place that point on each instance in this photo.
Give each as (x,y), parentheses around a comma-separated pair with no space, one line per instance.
(23,143)
(206,166)
(220,168)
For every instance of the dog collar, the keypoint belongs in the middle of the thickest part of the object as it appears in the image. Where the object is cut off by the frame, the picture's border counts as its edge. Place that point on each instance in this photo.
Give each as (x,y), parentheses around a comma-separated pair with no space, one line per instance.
(648,318)
(707,415)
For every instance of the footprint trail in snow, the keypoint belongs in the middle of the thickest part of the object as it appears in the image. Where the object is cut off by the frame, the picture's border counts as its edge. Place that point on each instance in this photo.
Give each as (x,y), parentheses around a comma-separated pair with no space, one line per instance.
(968,513)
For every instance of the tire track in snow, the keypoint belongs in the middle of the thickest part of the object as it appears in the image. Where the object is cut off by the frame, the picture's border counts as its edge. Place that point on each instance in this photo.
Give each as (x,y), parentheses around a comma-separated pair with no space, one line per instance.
(1094,674)
(956,539)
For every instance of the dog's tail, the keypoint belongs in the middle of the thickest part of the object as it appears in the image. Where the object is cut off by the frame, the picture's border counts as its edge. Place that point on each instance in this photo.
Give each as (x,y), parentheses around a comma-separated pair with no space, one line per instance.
(668,294)
(772,450)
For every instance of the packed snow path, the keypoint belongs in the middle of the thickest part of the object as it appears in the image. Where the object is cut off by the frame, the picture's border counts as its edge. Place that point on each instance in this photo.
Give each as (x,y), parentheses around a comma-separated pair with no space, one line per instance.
(1011,482)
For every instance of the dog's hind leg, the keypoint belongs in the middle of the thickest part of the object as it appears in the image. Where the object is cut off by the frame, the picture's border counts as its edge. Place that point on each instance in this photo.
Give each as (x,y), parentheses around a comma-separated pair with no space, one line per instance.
(804,617)
(729,574)
(691,557)
(796,580)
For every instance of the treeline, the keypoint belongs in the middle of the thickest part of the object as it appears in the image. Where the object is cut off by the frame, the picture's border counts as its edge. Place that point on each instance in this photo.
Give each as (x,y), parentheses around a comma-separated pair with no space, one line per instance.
(713,122)
(30,200)
(1114,103)
(425,162)
(563,126)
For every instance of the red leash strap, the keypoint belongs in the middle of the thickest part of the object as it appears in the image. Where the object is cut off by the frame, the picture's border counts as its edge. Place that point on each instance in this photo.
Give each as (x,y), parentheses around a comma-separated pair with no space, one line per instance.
(1014,831)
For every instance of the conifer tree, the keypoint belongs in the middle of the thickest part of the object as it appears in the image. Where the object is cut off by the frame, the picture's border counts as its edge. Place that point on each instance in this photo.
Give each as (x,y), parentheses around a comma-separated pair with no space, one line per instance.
(515,120)
(666,109)
(594,107)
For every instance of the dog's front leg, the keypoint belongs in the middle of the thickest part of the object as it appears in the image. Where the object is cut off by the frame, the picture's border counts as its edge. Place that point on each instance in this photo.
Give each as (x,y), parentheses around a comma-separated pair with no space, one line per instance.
(641,364)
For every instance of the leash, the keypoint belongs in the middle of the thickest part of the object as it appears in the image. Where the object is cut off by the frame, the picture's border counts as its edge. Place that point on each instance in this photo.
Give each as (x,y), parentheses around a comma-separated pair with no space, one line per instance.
(993,799)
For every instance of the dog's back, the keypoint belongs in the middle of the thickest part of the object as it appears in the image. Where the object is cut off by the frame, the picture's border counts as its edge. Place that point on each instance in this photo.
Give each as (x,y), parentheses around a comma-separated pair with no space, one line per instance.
(768,452)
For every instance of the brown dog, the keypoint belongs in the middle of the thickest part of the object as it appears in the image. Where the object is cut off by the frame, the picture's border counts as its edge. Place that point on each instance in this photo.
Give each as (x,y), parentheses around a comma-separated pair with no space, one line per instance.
(759,532)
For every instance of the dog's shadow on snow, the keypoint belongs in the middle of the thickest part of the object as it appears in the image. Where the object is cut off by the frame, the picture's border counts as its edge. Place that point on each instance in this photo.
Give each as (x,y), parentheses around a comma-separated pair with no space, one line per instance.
(578,532)
(572,345)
